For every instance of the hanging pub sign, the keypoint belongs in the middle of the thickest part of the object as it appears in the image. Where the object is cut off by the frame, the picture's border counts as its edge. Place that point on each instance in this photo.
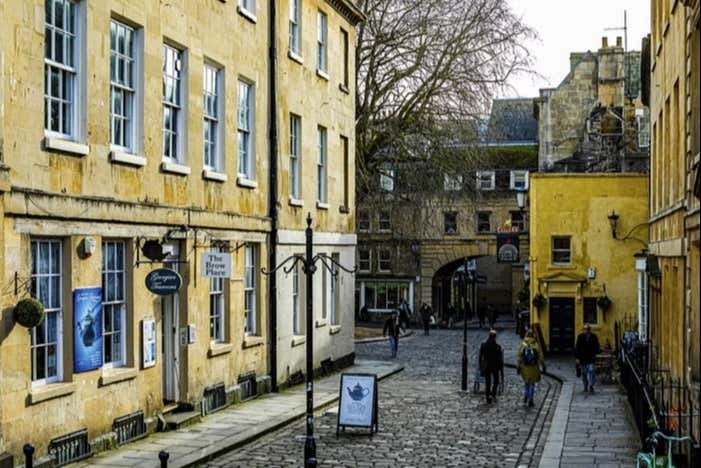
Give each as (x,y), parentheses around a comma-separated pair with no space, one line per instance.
(216,265)
(357,402)
(87,334)
(163,281)
(507,247)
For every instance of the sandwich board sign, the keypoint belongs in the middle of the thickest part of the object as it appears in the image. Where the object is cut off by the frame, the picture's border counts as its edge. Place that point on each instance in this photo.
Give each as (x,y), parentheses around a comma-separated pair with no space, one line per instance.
(357,402)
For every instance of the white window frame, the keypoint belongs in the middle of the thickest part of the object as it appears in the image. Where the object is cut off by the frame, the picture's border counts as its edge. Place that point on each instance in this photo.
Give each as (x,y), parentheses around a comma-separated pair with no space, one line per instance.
(516,177)
(297,325)
(296,27)
(217,309)
(178,132)
(322,42)
(388,259)
(250,282)
(213,115)
(481,177)
(35,283)
(643,305)
(364,215)
(295,152)
(361,261)
(334,296)
(553,250)
(246,134)
(321,170)
(118,301)
(129,88)
(387,175)
(381,219)
(452,183)
(248,6)
(73,69)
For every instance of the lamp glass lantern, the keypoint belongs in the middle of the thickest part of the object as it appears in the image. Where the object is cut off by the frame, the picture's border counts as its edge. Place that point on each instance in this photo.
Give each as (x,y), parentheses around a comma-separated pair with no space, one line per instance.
(521,199)
(613,221)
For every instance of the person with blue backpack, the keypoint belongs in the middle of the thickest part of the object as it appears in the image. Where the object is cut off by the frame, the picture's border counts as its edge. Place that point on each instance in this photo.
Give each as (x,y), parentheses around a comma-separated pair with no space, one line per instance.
(530,363)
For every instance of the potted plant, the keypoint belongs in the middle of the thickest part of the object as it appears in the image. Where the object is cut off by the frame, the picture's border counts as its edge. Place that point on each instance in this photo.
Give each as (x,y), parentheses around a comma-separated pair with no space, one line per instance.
(603,302)
(29,312)
(539,301)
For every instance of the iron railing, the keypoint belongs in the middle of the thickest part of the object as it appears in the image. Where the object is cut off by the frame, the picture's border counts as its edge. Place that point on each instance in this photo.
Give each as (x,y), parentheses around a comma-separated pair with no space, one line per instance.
(130,427)
(70,448)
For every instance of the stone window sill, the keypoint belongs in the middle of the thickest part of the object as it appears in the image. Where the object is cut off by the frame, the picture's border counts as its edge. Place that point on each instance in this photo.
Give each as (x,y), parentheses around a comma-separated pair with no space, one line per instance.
(321,323)
(298,340)
(219,349)
(214,175)
(175,168)
(322,74)
(334,329)
(247,14)
(245,182)
(66,146)
(117,374)
(322,205)
(50,391)
(296,202)
(118,156)
(252,341)
(295,56)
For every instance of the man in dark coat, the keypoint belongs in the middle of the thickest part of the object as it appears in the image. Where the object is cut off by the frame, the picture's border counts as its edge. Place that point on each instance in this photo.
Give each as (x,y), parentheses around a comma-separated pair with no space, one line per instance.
(491,359)
(392,326)
(404,312)
(426,313)
(585,352)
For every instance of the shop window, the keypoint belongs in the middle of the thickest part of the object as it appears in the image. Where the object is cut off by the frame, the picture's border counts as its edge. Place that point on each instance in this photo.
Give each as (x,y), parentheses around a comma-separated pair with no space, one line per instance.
(385,296)
(113,303)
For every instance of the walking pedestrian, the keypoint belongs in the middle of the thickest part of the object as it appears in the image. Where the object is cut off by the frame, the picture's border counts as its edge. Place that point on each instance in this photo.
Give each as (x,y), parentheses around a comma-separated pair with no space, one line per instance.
(426,313)
(530,361)
(491,316)
(392,326)
(585,352)
(491,359)
(480,315)
(451,315)
(404,313)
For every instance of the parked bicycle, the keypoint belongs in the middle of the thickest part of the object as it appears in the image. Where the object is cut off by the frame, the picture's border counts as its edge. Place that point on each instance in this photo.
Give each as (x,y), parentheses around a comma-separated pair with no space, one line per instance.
(652,460)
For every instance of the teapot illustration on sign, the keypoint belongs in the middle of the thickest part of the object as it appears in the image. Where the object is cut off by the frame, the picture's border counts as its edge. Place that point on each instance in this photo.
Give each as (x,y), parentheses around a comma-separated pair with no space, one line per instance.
(86,328)
(358,392)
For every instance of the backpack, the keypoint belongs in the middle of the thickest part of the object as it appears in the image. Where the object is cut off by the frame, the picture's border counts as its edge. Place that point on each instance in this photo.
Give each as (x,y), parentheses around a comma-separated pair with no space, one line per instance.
(530,356)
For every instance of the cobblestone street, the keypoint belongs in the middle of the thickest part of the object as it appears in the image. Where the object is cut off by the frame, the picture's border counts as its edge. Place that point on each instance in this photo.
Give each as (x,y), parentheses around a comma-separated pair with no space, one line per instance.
(424,420)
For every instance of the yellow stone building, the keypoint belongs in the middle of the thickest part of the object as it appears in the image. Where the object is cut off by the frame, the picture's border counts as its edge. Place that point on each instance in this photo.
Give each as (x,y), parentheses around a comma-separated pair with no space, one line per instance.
(576,259)
(673,263)
(130,128)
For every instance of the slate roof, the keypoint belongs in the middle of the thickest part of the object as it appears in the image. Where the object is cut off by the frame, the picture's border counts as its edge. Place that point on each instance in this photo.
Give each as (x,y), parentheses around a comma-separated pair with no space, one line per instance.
(512,122)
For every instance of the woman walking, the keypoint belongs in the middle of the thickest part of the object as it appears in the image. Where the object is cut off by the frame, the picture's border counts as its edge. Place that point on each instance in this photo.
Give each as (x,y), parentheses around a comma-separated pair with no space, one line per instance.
(530,362)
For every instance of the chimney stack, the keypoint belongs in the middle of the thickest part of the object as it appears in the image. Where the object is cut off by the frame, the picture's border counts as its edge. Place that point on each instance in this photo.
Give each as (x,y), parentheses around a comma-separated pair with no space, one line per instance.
(619,41)
(604,42)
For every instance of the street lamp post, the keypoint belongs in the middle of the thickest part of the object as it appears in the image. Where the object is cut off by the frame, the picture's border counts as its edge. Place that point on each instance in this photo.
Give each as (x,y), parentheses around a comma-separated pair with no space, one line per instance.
(464,329)
(309,268)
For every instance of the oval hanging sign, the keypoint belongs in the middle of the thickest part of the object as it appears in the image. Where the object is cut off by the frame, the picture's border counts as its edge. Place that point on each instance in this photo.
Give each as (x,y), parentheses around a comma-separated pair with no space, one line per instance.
(163,281)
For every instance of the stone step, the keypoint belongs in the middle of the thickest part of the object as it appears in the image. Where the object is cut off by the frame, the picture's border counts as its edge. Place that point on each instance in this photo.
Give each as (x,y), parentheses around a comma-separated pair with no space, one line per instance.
(178,420)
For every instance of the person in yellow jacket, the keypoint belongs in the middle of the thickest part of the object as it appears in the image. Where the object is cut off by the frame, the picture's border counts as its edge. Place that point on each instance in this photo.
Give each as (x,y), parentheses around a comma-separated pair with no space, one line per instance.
(530,363)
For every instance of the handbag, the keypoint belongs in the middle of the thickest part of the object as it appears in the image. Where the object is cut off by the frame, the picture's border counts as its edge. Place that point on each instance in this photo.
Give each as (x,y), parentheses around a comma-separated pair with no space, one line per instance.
(578,370)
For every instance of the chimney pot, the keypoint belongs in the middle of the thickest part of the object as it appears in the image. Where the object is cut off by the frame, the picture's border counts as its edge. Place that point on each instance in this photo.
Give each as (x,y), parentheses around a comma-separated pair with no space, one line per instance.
(604,42)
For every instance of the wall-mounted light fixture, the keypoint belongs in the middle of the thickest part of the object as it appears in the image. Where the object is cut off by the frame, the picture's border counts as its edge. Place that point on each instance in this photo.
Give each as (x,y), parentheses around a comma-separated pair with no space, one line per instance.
(613,220)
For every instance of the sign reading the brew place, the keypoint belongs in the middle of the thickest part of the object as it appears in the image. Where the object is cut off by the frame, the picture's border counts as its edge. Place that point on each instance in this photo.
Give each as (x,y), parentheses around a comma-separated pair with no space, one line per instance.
(216,265)
(163,281)
(357,402)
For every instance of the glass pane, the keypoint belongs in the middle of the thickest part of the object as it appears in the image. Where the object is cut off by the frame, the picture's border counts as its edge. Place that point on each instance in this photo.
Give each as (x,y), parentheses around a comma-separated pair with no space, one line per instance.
(108,349)
(40,369)
(51,361)
(117,347)
(55,292)
(40,332)
(52,327)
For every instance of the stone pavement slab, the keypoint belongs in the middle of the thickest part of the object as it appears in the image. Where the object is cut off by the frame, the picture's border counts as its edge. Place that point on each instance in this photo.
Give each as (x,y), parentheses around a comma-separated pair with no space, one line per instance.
(234,426)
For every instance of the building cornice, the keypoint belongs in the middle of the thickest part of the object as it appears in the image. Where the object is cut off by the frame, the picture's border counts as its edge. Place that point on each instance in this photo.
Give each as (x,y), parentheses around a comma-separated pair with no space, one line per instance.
(348,10)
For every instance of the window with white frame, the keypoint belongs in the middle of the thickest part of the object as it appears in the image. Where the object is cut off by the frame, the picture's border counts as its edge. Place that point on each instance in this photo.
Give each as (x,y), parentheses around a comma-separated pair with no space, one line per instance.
(248,6)
(321,165)
(113,303)
(642,305)
(364,260)
(213,99)
(217,332)
(122,86)
(561,250)
(46,272)
(452,183)
(322,34)
(363,221)
(61,68)
(485,180)
(334,315)
(518,180)
(385,296)
(295,26)
(249,286)
(173,92)
(385,220)
(387,175)
(297,326)
(384,260)
(295,133)
(245,120)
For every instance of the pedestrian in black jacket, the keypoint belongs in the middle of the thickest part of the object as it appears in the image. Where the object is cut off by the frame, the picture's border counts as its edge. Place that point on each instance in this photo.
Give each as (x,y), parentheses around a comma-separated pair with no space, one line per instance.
(392,326)
(426,313)
(491,359)
(585,352)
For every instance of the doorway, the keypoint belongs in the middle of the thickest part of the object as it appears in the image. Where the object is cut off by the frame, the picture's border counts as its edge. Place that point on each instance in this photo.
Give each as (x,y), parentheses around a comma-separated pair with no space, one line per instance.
(171,324)
(561,324)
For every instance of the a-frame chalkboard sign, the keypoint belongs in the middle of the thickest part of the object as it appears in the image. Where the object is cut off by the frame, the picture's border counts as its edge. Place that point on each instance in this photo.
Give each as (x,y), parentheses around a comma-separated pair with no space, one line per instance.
(357,402)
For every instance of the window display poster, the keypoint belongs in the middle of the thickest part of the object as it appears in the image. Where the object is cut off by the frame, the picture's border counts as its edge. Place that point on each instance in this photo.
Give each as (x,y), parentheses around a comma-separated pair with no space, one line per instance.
(358,400)
(148,333)
(87,334)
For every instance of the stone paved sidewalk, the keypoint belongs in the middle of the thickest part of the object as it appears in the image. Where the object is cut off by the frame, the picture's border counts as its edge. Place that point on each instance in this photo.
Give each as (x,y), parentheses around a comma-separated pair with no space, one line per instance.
(589,430)
(234,426)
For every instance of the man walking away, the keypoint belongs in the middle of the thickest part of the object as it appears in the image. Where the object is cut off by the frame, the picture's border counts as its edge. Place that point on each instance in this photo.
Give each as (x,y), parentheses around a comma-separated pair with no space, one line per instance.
(530,361)
(425,311)
(392,326)
(585,352)
(491,359)
(404,312)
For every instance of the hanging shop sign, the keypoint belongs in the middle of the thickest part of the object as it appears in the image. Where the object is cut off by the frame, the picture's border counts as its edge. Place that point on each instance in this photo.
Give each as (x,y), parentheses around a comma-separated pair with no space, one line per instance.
(148,343)
(358,402)
(216,265)
(507,248)
(87,334)
(163,281)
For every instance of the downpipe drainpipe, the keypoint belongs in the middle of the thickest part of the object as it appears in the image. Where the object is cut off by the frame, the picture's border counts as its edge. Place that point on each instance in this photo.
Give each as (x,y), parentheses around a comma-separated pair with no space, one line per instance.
(272,191)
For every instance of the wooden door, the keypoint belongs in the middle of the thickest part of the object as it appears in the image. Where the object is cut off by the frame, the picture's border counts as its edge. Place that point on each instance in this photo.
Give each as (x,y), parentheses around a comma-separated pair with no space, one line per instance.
(561,324)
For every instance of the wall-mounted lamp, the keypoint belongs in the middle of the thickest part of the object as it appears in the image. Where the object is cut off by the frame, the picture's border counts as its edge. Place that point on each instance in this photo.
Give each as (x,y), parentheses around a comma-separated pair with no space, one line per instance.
(521,199)
(613,220)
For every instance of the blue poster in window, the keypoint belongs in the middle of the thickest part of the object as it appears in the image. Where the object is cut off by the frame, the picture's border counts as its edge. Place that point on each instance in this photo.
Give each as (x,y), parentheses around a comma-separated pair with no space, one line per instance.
(87,331)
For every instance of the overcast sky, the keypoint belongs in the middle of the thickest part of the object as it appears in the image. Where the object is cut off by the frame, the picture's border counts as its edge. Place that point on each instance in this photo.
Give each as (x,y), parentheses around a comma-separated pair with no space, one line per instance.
(566,26)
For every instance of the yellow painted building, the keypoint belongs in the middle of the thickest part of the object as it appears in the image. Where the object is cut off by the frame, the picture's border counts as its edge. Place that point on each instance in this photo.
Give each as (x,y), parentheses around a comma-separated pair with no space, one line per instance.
(575,259)
(123,122)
